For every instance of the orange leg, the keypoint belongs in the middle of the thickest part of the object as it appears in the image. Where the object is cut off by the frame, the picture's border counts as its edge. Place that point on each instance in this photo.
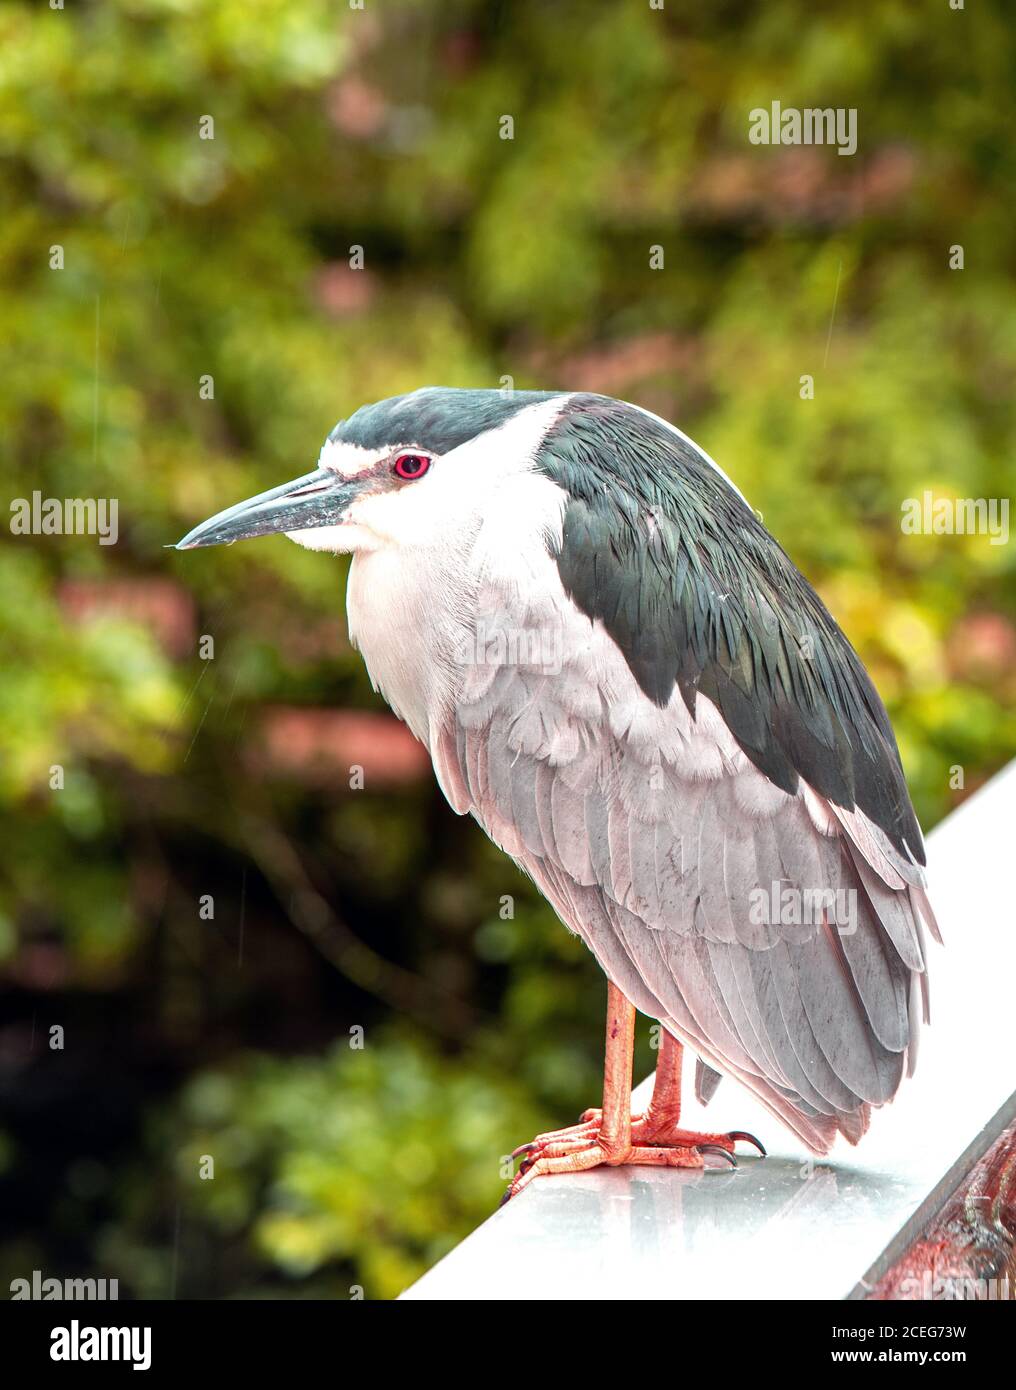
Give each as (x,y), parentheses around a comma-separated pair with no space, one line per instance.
(660,1122)
(611,1135)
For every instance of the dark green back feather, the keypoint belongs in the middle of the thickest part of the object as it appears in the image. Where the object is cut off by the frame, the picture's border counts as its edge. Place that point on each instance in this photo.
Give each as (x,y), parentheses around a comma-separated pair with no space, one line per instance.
(695,591)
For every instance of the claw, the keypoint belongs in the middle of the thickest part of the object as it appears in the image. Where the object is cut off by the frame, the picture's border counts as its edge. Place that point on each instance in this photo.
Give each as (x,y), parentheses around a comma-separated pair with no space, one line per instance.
(748,1139)
(528,1148)
(506,1197)
(715,1149)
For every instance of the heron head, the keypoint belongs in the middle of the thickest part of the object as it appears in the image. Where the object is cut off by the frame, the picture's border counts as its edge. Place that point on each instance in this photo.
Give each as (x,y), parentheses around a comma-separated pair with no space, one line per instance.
(403,471)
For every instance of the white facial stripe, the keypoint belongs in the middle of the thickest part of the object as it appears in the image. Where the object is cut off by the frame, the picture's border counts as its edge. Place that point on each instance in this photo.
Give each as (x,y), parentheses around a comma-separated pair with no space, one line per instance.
(510,447)
(347,460)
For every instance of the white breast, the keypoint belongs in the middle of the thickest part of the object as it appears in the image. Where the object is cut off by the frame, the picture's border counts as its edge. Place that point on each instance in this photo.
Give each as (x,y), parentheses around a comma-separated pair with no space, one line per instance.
(406,611)
(422,617)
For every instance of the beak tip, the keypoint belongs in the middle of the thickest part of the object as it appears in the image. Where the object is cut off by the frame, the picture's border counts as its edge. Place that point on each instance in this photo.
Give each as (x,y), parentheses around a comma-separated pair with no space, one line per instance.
(200,538)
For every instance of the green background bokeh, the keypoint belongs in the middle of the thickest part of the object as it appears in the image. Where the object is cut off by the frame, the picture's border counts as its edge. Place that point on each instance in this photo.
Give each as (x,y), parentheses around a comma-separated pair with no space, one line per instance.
(339,1166)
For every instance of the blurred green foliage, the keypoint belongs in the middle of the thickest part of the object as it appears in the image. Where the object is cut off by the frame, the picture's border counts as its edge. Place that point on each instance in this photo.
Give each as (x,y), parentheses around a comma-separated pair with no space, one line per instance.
(186,258)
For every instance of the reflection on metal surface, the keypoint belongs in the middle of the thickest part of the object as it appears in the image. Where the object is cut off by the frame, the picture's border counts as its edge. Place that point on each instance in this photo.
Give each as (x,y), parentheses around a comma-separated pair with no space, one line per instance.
(654,1233)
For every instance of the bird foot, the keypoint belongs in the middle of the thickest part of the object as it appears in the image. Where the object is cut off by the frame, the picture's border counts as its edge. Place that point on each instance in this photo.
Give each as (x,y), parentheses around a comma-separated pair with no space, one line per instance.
(653,1129)
(656,1141)
(579,1155)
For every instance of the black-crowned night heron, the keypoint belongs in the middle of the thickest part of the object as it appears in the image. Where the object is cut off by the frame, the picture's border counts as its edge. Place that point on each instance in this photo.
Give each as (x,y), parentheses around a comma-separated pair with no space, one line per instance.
(622,676)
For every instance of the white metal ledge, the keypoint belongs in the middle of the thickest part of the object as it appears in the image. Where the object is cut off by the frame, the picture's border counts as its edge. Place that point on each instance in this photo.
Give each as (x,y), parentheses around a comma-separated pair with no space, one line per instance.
(785,1227)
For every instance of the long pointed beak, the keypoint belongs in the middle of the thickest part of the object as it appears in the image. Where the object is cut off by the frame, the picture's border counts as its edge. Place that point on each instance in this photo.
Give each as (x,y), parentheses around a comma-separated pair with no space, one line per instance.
(317,499)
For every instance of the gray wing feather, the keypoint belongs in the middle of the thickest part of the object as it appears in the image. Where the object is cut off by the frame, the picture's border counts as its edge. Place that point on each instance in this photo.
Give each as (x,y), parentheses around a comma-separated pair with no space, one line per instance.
(790,1031)
(896,914)
(657,861)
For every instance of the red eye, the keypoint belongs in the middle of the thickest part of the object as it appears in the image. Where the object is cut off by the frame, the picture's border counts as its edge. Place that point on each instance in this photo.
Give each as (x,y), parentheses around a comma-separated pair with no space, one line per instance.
(411,466)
